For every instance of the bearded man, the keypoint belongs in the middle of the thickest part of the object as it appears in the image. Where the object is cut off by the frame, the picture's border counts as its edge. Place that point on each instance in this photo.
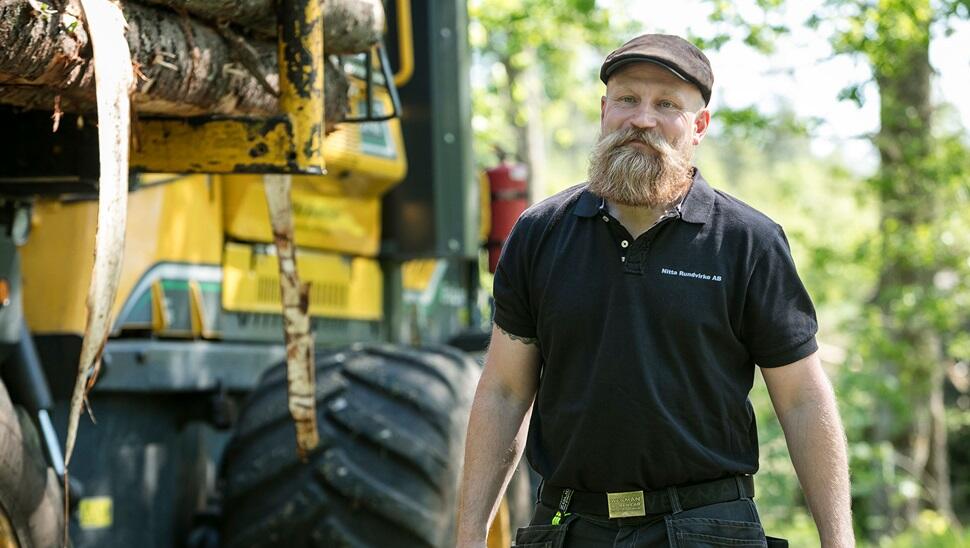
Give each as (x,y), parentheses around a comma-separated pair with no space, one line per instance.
(631,312)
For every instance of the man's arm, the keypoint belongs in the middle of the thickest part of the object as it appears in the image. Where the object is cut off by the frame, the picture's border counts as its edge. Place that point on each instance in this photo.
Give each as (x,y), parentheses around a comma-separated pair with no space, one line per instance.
(805,404)
(496,431)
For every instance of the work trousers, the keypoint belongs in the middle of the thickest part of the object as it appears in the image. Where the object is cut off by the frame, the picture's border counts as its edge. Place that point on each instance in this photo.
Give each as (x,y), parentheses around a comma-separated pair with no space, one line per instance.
(733,523)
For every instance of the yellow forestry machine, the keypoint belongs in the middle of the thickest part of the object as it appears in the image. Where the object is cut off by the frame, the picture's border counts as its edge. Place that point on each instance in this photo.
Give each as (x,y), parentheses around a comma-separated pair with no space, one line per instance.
(290,305)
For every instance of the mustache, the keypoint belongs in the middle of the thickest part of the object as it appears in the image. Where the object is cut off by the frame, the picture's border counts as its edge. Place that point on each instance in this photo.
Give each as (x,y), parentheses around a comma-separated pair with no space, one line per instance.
(647,137)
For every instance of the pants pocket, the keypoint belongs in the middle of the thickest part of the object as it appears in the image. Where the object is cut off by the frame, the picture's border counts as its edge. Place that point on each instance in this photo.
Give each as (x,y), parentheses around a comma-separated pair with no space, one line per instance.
(711,532)
(543,536)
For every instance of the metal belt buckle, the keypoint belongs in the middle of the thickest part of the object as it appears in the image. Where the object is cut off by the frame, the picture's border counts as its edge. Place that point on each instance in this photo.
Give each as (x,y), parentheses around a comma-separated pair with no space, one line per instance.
(626,505)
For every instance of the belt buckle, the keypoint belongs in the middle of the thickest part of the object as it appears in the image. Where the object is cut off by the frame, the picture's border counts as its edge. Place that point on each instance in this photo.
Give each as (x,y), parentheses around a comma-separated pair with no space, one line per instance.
(628,504)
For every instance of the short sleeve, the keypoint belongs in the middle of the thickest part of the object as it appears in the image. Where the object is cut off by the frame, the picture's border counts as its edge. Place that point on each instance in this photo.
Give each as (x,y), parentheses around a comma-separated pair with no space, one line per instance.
(779,322)
(510,289)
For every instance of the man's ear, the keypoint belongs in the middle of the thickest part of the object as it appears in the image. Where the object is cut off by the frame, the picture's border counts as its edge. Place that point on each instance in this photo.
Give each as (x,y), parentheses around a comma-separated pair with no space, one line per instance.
(702,121)
(602,109)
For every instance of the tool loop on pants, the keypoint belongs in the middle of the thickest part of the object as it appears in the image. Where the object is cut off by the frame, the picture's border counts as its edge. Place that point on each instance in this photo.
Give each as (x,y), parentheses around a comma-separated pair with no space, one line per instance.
(567,495)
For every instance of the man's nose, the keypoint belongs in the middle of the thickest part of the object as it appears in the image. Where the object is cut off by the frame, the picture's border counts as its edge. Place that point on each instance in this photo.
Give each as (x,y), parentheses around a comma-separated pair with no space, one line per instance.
(644,118)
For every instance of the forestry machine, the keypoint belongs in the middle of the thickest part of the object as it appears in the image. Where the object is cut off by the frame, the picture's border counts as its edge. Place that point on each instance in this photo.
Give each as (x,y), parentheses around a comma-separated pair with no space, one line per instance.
(241,240)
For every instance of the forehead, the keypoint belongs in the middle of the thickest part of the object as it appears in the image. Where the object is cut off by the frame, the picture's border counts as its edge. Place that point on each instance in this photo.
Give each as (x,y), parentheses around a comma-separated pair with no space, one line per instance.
(650,74)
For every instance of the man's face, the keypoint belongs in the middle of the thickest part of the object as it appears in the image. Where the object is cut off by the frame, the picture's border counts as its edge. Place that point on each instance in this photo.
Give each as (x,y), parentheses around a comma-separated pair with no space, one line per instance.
(650,122)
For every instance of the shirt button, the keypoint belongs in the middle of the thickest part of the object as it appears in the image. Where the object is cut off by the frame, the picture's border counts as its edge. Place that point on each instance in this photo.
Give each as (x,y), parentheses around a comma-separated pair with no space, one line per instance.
(624,244)
(622,259)
(605,218)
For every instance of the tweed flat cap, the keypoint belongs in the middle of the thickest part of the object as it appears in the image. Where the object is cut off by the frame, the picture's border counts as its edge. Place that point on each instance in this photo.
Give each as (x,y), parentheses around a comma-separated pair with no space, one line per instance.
(673,52)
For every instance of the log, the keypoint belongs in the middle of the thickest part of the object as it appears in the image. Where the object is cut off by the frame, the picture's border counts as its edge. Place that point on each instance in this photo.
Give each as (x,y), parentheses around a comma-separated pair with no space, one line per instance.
(184,67)
(349,26)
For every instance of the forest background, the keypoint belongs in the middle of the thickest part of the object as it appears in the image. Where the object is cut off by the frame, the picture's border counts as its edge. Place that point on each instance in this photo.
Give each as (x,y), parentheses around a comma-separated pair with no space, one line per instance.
(871,184)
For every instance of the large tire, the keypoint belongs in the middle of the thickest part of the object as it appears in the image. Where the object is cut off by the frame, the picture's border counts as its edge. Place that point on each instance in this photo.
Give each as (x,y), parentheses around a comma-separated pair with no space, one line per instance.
(392,424)
(31,503)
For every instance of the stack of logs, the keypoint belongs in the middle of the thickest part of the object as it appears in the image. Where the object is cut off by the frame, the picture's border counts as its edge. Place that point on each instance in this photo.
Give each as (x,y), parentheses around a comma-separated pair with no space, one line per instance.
(190,57)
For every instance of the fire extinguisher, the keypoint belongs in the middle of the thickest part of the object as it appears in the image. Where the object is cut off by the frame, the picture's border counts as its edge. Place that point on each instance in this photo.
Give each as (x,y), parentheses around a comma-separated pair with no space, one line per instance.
(508,189)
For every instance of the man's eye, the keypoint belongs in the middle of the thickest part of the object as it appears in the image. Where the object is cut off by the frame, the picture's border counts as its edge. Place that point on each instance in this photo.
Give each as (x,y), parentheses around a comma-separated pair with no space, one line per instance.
(667,104)
(629,99)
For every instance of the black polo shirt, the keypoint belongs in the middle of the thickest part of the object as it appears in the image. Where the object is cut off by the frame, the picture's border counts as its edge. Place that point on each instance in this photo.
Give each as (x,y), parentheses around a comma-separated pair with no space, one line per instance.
(648,345)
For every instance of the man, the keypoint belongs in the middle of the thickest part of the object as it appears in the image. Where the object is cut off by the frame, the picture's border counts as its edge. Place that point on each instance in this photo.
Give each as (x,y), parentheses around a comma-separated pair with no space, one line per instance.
(631,311)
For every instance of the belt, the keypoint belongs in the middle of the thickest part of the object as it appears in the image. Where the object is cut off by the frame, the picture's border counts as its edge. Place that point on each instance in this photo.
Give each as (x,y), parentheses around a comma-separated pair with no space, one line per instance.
(656,502)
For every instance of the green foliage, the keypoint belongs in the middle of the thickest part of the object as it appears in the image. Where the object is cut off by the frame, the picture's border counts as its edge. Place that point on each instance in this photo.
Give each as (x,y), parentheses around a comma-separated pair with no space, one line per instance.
(555,39)
(759,27)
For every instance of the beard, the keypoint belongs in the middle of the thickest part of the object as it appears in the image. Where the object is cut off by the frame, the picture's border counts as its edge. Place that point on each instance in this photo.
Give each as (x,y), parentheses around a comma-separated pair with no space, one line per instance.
(634,177)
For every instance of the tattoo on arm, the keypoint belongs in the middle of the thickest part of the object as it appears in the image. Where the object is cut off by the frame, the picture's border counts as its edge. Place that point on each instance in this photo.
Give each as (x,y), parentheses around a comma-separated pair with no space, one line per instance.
(523,340)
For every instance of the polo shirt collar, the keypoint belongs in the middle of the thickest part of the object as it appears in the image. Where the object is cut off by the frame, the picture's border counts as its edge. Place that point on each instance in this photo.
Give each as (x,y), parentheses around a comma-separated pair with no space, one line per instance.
(699,202)
(587,205)
(695,208)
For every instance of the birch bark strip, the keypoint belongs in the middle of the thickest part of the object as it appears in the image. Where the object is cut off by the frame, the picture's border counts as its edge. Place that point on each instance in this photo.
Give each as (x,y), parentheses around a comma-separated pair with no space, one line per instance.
(300,372)
(114,79)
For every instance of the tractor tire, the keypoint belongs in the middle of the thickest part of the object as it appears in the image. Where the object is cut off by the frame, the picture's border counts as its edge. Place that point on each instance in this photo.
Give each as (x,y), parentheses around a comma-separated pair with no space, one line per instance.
(31,503)
(392,424)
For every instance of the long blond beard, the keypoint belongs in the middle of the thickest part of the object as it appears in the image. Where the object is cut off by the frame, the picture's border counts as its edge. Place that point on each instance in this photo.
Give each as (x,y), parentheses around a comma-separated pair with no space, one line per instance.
(632,177)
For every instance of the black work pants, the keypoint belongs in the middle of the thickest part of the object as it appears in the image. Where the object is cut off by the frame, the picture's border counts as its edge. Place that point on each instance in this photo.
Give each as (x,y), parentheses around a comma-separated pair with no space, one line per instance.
(733,523)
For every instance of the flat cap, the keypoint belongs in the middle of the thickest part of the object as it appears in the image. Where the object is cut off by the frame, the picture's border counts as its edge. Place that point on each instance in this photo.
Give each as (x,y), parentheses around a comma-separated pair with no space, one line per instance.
(673,52)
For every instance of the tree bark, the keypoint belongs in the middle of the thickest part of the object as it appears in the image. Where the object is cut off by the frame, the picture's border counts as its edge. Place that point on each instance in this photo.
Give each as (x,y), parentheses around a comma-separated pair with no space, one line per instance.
(184,67)
(349,26)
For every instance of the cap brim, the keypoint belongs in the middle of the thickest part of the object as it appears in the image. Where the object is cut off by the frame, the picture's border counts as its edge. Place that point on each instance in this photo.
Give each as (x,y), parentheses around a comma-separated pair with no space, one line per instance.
(640,59)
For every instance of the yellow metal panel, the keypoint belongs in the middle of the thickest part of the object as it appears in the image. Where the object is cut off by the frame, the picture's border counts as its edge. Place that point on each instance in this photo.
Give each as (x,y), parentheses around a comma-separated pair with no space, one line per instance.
(95,512)
(214,146)
(175,221)
(340,287)
(365,159)
(56,264)
(189,228)
(416,274)
(366,288)
(334,223)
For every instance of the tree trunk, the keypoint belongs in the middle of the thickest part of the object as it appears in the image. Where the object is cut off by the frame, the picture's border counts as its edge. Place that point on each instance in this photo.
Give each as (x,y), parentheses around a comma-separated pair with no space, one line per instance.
(939,450)
(910,352)
(349,26)
(525,88)
(184,67)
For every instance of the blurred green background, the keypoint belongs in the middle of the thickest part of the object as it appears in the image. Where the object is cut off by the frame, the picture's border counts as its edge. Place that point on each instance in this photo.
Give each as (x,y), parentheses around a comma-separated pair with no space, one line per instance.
(845,121)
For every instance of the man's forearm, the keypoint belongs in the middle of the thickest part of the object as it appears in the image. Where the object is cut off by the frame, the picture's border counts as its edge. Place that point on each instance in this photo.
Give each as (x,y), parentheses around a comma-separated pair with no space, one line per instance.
(816,442)
(496,435)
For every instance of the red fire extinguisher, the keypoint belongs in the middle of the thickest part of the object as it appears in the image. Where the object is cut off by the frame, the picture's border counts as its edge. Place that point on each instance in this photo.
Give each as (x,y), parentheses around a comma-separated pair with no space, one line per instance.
(509,192)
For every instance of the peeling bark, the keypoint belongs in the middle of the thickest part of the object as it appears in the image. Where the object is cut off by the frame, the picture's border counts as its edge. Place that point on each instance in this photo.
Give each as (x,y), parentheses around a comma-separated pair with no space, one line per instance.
(300,373)
(184,67)
(349,26)
(112,61)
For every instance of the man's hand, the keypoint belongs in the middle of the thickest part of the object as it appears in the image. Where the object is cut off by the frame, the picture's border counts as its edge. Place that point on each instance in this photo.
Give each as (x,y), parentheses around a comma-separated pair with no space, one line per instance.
(805,404)
(496,432)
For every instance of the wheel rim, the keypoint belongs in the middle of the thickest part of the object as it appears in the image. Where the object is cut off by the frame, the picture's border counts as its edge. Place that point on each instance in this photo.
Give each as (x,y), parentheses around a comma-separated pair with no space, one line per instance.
(8,538)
